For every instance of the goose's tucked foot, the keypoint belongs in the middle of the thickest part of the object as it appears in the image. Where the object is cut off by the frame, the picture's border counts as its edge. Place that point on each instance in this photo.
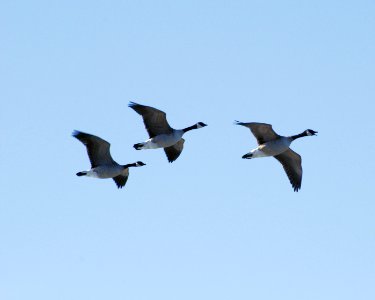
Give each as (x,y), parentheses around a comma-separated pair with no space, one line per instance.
(248,156)
(138,146)
(81,173)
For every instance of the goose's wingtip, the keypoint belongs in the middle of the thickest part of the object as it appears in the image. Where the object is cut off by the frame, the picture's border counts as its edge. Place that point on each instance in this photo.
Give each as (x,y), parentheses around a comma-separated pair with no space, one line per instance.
(75,133)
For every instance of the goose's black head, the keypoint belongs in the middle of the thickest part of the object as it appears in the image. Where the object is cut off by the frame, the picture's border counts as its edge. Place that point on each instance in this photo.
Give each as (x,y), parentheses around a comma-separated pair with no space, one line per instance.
(139,164)
(201,124)
(310,132)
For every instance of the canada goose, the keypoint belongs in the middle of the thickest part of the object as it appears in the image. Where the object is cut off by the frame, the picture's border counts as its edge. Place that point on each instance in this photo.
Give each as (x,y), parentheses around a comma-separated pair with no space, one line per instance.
(102,164)
(161,134)
(272,144)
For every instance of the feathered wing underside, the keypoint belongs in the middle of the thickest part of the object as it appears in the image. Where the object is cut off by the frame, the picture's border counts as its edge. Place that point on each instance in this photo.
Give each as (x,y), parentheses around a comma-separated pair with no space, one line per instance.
(263,132)
(292,164)
(120,180)
(155,120)
(173,152)
(97,148)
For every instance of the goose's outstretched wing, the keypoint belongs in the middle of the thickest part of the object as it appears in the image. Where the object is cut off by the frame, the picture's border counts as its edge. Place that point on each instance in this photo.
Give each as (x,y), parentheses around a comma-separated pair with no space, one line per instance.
(154,119)
(292,164)
(173,152)
(97,148)
(263,132)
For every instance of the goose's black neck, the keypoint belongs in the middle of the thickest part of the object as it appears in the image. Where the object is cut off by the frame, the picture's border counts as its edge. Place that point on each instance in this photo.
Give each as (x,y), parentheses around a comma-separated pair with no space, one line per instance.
(129,165)
(297,136)
(190,128)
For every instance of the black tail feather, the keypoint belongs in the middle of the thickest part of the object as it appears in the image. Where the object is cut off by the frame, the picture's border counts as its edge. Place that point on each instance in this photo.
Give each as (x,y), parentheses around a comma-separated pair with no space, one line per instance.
(138,146)
(81,173)
(248,156)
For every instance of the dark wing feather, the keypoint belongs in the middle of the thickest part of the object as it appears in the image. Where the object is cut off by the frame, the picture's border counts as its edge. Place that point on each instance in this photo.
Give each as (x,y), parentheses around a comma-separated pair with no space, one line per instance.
(263,132)
(155,120)
(97,148)
(120,181)
(292,164)
(173,152)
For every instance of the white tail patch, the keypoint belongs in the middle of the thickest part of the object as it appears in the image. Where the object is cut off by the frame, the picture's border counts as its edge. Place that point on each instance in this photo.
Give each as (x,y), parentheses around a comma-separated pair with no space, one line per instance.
(149,144)
(258,153)
(92,174)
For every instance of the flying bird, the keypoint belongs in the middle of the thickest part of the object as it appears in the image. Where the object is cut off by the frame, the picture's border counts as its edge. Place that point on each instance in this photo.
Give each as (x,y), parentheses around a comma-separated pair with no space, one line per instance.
(272,144)
(161,134)
(102,164)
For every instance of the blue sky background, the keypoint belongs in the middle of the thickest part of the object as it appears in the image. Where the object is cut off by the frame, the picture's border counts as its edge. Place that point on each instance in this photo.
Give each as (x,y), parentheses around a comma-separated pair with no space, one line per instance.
(211,225)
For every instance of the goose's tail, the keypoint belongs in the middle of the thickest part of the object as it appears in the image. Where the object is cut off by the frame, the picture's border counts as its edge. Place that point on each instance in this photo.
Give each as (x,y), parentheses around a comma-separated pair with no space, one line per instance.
(81,174)
(138,146)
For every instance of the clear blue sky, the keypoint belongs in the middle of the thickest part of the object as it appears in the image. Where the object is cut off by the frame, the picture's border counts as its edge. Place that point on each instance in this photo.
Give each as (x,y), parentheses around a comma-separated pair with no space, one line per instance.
(211,225)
